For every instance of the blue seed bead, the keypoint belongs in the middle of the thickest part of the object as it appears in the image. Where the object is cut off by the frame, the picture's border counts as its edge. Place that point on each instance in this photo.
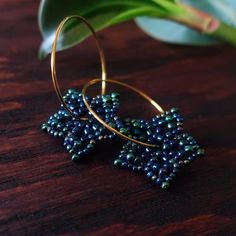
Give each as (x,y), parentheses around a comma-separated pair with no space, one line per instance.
(149,174)
(166,146)
(154,178)
(159,181)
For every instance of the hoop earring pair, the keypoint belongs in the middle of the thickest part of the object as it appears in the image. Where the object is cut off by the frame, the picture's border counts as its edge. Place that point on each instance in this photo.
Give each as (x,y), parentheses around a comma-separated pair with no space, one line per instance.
(158,147)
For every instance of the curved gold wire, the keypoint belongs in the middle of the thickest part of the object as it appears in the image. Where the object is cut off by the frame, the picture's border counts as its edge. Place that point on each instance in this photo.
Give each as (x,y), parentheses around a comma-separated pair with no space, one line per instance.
(142,94)
(53,61)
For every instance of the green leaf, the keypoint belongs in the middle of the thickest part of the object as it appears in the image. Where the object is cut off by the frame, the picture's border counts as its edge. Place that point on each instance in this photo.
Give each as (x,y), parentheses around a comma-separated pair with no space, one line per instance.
(104,13)
(100,13)
(172,32)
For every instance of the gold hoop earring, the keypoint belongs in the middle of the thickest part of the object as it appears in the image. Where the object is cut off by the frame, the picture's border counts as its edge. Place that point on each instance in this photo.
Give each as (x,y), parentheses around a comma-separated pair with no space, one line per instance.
(163,149)
(53,61)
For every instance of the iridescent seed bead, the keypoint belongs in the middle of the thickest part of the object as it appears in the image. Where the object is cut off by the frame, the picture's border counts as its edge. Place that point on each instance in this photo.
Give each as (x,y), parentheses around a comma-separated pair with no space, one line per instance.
(158,181)
(186,162)
(75,157)
(140,169)
(169,118)
(165,146)
(149,174)
(123,130)
(173,110)
(165,185)
(117,162)
(154,178)
(188,148)
(44,127)
(176,165)
(115,95)
(90,146)
(200,152)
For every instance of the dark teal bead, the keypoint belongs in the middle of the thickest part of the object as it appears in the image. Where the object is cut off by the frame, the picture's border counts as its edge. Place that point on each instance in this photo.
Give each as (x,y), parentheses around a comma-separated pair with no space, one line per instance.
(200,152)
(115,95)
(44,127)
(188,148)
(169,118)
(112,124)
(74,157)
(136,124)
(117,162)
(143,138)
(176,165)
(173,110)
(130,157)
(77,143)
(124,131)
(165,185)
(90,146)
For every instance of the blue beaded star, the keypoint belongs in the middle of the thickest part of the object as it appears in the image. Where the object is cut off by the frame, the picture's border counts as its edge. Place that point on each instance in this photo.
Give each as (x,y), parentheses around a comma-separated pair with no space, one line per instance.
(80,136)
(175,149)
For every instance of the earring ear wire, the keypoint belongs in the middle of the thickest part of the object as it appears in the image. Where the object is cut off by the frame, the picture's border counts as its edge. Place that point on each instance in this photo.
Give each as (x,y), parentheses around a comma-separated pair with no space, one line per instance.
(53,61)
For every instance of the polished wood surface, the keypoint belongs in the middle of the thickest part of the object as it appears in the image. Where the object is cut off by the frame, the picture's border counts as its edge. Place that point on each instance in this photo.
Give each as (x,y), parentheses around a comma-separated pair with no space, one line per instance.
(42,192)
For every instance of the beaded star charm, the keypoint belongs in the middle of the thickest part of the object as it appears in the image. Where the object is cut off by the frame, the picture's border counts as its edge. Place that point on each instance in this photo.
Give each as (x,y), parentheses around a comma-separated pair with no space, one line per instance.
(175,149)
(80,136)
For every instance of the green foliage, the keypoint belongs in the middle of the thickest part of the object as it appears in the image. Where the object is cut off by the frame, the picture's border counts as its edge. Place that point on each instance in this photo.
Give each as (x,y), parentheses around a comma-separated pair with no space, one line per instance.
(104,13)
(173,32)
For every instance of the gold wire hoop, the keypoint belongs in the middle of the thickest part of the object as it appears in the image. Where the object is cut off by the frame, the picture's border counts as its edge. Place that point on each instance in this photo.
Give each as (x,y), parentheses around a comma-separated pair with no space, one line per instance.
(53,61)
(142,94)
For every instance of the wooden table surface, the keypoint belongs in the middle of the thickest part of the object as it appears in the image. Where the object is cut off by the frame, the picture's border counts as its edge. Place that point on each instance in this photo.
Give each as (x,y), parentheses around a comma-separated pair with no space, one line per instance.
(42,192)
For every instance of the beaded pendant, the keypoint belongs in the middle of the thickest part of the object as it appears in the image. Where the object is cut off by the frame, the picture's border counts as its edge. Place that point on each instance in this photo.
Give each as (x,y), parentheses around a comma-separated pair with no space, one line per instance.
(80,136)
(175,149)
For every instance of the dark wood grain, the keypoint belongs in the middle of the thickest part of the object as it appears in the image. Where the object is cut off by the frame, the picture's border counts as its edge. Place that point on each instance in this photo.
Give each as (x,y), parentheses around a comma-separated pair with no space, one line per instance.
(42,192)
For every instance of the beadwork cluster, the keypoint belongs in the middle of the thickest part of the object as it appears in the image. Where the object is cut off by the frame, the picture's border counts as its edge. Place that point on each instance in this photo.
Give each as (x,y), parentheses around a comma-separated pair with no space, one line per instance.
(80,136)
(174,148)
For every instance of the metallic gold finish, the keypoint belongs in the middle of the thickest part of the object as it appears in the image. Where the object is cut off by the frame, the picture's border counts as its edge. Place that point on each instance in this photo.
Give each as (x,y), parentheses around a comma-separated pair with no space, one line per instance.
(53,61)
(142,94)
